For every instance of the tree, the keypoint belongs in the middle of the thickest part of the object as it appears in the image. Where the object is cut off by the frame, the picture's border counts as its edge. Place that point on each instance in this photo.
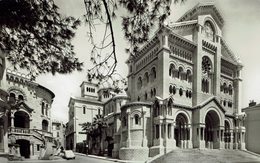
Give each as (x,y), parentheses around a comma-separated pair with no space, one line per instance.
(94,131)
(142,16)
(37,37)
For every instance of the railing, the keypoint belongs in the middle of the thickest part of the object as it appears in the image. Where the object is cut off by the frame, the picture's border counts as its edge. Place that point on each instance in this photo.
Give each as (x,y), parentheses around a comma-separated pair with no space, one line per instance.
(27,131)
(19,130)
(45,133)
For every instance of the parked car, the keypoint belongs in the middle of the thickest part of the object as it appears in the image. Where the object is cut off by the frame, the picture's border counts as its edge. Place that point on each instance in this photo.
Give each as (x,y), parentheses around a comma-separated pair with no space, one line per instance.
(69,154)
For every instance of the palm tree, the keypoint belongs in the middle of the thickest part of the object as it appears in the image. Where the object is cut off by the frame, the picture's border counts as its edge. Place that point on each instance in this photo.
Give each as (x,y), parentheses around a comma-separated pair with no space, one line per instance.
(100,125)
(89,130)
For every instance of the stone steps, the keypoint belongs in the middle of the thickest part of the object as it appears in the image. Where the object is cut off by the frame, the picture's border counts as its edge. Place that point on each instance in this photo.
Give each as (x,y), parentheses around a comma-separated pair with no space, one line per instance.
(207,155)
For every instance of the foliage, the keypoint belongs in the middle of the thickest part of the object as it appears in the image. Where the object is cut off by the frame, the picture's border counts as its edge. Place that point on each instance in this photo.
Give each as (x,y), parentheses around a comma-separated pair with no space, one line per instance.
(95,130)
(142,16)
(36,37)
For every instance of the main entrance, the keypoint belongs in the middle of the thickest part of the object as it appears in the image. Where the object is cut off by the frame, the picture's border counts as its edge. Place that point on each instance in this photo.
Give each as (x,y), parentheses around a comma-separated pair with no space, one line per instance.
(24,147)
(212,124)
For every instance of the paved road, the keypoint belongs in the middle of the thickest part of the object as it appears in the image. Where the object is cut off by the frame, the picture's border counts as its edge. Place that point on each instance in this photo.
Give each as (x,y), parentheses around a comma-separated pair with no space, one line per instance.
(79,159)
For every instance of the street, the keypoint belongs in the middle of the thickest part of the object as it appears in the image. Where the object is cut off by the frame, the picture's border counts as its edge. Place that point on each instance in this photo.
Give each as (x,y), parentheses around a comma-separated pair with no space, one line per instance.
(79,159)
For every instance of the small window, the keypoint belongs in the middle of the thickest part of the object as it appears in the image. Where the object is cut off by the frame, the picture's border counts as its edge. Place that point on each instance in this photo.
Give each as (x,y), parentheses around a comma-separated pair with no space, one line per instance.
(84,110)
(20,98)
(58,134)
(137,119)
(181,92)
(43,104)
(38,147)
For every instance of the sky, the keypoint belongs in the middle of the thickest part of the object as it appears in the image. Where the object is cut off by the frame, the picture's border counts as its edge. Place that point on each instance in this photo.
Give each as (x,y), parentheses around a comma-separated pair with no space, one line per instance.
(241,32)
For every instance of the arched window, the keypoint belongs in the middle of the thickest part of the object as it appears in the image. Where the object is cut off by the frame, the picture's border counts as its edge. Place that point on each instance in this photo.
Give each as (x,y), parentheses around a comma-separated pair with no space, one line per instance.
(206,65)
(188,76)
(138,98)
(139,83)
(43,108)
(209,30)
(151,93)
(46,109)
(174,90)
(230,90)
(154,92)
(181,92)
(171,70)
(225,88)
(187,93)
(20,98)
(145,96)
(137,119)
(84,110)
(170,89)
(180,73)
(205,86)
(146,78)
(153,73)
(45,125)
(12,97)
(190,94)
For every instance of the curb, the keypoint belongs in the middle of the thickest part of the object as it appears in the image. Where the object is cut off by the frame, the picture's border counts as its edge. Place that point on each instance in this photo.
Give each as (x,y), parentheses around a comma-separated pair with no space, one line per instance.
(109,159)
(252,153)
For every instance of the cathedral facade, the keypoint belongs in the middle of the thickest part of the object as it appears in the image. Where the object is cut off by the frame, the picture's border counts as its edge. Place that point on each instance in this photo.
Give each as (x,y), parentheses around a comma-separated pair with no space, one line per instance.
(184,89)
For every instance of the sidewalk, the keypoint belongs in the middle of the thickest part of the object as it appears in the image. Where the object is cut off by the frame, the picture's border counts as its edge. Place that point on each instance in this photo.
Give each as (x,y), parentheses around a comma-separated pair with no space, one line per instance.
(108,158)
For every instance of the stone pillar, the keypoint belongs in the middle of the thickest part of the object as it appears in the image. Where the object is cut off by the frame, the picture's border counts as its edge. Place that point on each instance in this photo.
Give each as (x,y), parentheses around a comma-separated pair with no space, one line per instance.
(160,135)
(173,139)
(31,150)
(12,120)
(128,141)
(231,140)
(121,135)
(236,140)
(144,131)
(5,138)
(189,136)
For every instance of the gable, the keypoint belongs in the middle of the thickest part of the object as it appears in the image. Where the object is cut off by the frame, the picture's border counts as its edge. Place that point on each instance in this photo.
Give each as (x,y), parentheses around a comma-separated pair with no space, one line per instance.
(24,106)
(203,9)
(227,54)
(211,102)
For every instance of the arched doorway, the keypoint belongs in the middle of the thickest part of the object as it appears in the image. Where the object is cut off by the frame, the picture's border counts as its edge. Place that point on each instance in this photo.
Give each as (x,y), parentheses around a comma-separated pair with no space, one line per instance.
(212,130)
(227,135)
(181,132)
(24,147)
(21,119)
(45,125)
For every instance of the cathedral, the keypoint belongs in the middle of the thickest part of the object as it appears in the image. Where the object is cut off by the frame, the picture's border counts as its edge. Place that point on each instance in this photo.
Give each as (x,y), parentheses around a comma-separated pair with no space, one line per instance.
(184,88)
(184,91)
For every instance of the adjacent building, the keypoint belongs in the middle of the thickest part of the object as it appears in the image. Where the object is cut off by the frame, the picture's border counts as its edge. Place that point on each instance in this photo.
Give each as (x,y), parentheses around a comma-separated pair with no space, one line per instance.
(58,132)
(4,107)
(29,116)
(252,124)
(81,110)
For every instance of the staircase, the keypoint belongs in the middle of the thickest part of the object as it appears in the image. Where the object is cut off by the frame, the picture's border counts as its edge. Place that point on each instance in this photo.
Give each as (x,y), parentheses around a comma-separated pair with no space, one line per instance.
(206,156)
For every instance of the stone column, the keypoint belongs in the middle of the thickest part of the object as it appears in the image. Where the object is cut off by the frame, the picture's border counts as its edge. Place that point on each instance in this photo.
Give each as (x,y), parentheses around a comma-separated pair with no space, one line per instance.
(144,130)
(5,138)
(166,133)
(12,120)
(128,142)
(160,134)
(231,140)
(189,136)
(31,150)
